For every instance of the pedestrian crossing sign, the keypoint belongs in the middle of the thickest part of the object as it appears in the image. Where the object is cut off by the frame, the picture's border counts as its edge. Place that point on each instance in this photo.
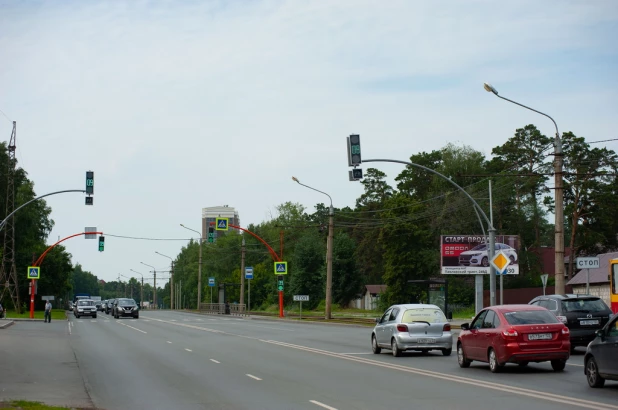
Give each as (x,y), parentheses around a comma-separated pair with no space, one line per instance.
(221,224)
(281,268)
(34,272)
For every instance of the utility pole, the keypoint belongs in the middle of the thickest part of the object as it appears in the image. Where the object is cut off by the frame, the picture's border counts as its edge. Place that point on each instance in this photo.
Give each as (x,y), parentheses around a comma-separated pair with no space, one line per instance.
(242,272)
(8,271)
(329,263)
(141,296)
(154,291)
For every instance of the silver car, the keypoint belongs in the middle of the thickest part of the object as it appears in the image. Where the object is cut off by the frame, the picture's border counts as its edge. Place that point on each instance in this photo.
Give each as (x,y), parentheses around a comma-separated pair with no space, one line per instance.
(417,327)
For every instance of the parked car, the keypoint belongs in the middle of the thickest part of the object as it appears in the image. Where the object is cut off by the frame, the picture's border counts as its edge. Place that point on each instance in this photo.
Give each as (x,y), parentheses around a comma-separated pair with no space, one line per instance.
(70,305)
(85,307)
(125,307)
(419,327)
(514,334)
(109,306)
(478,256)
(583,314)
(601,359)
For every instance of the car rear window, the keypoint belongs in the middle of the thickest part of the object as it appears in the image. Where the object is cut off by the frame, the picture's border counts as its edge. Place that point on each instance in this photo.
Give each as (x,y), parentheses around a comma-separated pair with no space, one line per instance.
(530,317)
(430,315)
(584,305)
(126,302)
(85,303)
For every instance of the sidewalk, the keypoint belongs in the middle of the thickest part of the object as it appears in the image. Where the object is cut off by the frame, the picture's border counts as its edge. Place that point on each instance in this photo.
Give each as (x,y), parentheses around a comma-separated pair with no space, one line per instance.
(38,364)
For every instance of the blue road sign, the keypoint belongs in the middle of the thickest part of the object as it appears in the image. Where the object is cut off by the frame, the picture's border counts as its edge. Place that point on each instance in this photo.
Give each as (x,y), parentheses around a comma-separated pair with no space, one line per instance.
(222,224)
(211,282)
(34,272)
(281,268)
(248,272)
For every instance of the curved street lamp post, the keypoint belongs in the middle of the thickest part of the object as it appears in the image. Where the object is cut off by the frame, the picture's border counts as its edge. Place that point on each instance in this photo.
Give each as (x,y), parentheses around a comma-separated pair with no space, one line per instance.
(558,196)
(329,252)
(199,270)
(154,296)
(171,280)
(141,293)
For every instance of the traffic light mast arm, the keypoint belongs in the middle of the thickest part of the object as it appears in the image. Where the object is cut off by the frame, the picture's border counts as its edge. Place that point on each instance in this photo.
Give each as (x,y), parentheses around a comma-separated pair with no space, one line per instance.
(40,260)
(274,255)
(35,199)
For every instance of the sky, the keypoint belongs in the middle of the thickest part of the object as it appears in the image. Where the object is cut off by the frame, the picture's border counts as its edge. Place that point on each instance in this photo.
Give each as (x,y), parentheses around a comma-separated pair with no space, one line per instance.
(181,105)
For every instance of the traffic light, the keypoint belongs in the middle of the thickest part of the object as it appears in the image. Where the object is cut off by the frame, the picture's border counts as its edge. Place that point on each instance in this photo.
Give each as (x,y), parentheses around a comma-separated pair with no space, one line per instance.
(356,174)
(354,150)
(280,283)
(101,243)
(89,182)
(211,234)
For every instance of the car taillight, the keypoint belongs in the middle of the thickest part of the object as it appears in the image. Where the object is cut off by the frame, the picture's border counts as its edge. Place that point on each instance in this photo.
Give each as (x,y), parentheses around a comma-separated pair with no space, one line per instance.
(447,327)
(510,333)
(566,334)
(563,319)
(402,328)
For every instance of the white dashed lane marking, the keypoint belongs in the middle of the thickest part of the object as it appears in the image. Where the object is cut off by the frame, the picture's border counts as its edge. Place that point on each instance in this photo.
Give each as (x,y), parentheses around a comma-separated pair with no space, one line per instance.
(317,403)
(253,377)
(214,361)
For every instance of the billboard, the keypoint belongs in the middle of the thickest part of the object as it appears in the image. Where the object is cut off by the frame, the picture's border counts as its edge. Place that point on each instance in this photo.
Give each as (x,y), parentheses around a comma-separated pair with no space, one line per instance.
(468,254)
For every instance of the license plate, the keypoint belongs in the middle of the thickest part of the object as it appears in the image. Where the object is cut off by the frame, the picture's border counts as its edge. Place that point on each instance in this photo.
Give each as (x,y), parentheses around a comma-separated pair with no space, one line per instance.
(588,322)
(540,336)
(426,340)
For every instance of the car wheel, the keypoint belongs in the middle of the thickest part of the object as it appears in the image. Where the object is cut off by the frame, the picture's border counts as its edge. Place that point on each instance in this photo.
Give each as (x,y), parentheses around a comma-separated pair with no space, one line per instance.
(494,366)
(461,357)
(447,352)
(592,374)
(94,316)
(395,348)
(485,262)
(77,316)
(136,316)
(374,345)
(522,364)
(558,365)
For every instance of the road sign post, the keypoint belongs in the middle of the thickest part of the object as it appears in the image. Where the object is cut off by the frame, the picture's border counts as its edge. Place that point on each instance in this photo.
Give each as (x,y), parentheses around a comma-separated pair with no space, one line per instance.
(211,284)
(544,281)
(301,298)
(587,263)
(34,273)
(249,276)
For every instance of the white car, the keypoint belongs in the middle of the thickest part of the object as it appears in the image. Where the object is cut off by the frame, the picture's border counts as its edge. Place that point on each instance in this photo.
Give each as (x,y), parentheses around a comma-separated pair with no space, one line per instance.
(477,256)
(85,307)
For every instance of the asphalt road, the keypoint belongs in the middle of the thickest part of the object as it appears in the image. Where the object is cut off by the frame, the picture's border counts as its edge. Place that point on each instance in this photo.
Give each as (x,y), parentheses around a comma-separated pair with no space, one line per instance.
(168,360)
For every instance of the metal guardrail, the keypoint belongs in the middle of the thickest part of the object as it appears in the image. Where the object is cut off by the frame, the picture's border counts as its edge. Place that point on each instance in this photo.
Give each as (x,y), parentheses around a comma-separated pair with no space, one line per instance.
(235,309)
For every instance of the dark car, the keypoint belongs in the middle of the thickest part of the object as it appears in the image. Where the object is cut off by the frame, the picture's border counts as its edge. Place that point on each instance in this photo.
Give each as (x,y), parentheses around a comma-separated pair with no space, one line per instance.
(109,306)
(514,334)
(583,314)
(601,360)
(125,307)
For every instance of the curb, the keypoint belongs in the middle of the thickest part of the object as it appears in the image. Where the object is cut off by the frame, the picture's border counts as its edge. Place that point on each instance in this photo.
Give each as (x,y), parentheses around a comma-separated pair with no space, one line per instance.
(4,323)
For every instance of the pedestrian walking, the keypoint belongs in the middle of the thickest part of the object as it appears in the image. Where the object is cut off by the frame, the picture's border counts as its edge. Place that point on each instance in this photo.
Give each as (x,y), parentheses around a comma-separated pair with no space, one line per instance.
(48,308)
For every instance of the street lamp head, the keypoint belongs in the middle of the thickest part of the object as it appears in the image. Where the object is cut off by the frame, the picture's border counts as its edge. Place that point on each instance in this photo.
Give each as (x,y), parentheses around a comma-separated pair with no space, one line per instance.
(295,180)
(490,88)
(182,225)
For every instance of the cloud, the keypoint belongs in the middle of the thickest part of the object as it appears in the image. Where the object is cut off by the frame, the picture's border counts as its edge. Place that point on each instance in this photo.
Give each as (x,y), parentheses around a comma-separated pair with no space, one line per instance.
(183,105)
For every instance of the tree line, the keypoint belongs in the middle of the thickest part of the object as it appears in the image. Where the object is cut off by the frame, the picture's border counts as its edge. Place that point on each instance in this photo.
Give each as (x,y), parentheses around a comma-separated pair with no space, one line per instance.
(392,234)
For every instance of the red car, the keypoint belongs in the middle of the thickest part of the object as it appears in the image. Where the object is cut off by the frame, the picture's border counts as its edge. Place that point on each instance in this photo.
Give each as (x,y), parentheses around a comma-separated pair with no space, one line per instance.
(514,334)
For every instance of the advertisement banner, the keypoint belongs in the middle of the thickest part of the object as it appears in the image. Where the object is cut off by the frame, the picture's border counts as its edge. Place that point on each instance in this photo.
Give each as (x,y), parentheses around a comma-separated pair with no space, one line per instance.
(468,254)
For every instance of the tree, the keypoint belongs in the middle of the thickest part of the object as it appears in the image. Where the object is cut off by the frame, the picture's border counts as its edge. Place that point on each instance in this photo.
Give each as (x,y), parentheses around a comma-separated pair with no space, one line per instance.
(585,177)
(307,273)
(347,282)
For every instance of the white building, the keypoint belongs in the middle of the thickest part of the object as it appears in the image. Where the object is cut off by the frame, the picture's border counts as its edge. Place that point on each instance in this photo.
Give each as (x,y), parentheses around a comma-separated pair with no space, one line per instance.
(210,214)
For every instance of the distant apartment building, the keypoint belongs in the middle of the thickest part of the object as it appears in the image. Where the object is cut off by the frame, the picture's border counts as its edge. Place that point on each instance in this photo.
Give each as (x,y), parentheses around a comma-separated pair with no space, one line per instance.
(209,216)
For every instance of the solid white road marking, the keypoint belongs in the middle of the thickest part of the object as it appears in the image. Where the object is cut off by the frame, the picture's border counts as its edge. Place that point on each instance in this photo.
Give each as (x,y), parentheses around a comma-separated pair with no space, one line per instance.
(573,364)
(358,353)
(134,328)
(188,350)
(317,403)
(69,326)
(253,377)
(94,321)
(214,361)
